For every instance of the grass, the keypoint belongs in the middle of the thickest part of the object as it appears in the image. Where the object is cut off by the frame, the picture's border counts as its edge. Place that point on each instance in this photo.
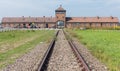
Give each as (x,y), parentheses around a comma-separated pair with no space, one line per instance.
(10,55)
(103,44)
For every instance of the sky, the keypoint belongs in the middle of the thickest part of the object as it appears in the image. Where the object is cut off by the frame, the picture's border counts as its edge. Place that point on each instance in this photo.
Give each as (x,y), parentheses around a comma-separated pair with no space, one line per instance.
(74,8)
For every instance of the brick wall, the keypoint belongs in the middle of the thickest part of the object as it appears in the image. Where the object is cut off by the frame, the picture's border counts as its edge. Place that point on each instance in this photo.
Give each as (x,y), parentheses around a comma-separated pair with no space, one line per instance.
(90,25)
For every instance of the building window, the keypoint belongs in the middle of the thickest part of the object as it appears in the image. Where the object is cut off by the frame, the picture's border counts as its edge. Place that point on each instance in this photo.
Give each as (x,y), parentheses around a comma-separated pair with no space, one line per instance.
(78,24)
(46,25)
(9,25)
(24,25)
(84,24)
(101,24)
(90,24)
(110,24)
(96,24)
(19,26)
(105,24)
(74,24)
(60,12)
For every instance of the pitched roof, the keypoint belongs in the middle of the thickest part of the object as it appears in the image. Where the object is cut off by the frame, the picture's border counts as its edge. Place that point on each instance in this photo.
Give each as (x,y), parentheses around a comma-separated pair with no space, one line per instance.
(92,19)
(60,8)
(52,19)
(28,19)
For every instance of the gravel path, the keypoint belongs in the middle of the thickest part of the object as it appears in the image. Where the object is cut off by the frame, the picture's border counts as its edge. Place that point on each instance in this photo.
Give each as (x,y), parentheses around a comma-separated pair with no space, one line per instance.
(93,62)
(29,61)
(63,58)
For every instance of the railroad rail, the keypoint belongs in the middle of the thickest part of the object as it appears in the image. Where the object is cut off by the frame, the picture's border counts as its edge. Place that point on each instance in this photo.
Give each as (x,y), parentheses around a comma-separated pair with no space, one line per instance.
(80,59)
(45,60)
(46,57)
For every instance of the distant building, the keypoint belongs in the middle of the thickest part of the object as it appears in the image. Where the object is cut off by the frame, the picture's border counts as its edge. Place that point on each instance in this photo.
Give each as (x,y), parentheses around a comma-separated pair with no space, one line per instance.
(60,20)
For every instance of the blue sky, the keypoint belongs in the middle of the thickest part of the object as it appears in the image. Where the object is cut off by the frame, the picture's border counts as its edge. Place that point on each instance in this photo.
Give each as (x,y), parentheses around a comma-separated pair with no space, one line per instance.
(76,8)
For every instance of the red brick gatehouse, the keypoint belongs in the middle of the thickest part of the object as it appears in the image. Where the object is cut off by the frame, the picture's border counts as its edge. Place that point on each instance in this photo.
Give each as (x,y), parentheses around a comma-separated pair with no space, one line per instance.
(60,20)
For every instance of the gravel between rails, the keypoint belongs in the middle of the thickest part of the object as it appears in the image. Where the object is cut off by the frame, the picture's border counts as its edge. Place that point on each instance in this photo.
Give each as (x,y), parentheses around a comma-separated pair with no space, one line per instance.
(29,61)
(62,58)
(93,62)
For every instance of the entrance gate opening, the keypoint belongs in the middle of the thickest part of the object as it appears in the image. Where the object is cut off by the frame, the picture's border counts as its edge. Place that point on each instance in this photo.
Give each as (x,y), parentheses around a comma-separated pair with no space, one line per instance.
(60,24)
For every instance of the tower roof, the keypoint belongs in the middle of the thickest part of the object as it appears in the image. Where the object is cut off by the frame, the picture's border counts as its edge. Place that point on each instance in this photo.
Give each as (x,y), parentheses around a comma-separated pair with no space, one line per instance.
(60,8)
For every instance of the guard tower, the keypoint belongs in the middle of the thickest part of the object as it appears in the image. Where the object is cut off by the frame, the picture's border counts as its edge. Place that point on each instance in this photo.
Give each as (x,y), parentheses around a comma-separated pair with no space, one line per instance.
(60,17)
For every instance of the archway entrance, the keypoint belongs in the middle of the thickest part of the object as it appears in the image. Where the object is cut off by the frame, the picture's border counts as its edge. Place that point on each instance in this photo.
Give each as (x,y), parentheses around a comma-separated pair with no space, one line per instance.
(60,24)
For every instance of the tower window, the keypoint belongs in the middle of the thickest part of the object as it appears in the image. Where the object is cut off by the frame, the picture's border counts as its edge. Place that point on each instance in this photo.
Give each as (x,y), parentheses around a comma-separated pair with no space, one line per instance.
(60,12)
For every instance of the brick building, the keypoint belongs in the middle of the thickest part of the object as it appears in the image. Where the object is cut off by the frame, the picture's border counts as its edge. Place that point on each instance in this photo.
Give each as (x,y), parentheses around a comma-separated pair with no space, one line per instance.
(60,20)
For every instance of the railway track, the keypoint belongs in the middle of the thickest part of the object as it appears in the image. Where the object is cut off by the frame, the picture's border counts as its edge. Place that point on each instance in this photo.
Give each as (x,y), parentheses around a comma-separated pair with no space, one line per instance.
(45,61)
(77,54)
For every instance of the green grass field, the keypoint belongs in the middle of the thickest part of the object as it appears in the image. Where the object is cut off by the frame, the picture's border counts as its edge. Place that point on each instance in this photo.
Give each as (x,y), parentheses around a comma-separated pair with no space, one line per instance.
(13,44)
(103,44)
